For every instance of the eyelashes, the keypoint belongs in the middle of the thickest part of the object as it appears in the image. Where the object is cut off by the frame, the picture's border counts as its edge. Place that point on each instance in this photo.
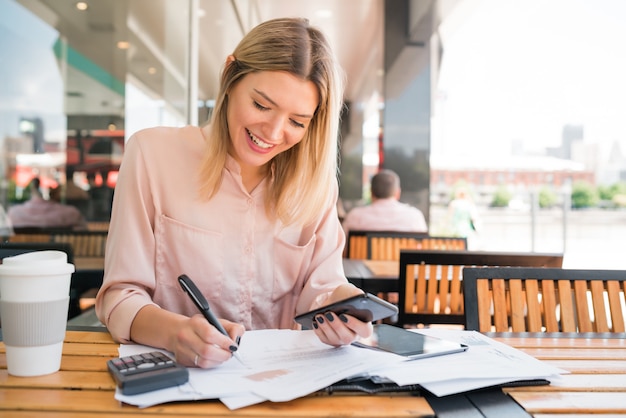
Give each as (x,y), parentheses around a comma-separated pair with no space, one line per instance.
(259,106)
(262,108)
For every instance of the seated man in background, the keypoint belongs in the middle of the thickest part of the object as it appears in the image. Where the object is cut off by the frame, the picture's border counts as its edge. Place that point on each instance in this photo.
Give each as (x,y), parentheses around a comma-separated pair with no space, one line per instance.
(386,212)
(38,212)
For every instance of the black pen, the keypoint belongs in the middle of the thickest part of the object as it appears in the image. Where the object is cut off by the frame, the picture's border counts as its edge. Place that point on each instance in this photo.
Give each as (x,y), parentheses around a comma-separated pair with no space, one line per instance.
(203,305)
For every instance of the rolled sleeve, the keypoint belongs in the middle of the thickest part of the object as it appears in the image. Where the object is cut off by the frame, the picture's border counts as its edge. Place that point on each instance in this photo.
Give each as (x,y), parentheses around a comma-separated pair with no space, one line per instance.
(122,305)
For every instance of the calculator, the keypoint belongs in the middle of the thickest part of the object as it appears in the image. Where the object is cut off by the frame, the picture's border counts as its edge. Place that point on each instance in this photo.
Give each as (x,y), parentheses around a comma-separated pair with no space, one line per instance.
(146,372)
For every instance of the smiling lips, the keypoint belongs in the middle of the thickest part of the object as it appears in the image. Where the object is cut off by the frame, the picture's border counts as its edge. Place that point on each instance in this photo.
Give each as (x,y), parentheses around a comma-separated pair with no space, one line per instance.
(258,142)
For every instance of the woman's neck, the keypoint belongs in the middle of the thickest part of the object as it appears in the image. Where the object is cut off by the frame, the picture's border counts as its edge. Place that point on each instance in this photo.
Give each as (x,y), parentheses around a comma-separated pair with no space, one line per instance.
(251,177)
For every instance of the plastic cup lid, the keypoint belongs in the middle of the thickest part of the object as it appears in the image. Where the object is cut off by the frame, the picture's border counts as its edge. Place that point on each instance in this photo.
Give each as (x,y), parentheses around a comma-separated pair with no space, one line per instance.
(37,262)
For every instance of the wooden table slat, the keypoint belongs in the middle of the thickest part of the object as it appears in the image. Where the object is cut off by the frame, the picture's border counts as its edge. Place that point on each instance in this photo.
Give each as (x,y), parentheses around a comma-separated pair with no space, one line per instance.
(566,402)
(308,407)
(564,342)
(591,366)
(83,387)
(585,382)
(100,380)
(573,353)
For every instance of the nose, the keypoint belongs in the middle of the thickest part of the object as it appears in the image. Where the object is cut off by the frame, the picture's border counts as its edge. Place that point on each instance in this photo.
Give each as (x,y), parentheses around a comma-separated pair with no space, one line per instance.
(275,128)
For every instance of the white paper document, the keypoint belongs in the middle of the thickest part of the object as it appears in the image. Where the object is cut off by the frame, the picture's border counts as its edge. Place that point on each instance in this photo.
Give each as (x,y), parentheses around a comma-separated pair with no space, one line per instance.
(487,362)
(281,365)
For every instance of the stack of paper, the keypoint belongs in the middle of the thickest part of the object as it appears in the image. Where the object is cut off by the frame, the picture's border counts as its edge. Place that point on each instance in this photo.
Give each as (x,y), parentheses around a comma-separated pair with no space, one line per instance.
(486,363)
(281,365)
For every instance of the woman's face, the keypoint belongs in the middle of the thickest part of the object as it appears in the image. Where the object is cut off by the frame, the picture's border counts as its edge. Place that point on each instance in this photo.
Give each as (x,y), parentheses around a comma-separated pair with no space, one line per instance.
(268,113)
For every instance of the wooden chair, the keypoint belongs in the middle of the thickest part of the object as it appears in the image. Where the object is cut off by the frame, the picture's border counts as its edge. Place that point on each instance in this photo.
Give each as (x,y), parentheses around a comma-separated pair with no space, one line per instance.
(386,245)
(85,243)
(522,299)
(98,226)
(431,283)
(29,234)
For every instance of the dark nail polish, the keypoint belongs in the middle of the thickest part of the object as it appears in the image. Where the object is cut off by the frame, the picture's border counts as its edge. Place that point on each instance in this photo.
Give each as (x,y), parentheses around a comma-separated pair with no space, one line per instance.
(330,317)
(315,325)
(320,319)
(232,348)
(343,318)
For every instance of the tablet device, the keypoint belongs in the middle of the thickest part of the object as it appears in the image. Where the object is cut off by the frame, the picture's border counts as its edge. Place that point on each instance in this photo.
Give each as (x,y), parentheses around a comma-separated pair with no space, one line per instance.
(365,307)
(408,343)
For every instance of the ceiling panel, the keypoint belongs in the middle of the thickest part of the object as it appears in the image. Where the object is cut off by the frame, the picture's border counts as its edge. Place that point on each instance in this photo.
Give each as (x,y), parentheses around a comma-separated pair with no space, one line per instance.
(157,31)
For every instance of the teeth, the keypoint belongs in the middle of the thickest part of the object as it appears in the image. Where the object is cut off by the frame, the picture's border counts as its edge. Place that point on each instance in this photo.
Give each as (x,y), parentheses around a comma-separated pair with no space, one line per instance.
(258,142)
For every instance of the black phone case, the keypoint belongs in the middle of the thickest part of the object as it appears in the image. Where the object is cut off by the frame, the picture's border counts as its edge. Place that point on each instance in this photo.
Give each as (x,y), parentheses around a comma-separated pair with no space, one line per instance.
(366,307)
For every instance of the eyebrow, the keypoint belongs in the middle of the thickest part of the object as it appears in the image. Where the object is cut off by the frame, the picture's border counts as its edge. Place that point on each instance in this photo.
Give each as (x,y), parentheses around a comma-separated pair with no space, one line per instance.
(266,97)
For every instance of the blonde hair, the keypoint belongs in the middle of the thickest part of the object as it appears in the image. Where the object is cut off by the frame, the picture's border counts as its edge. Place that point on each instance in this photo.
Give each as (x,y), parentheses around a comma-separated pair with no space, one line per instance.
(301,176)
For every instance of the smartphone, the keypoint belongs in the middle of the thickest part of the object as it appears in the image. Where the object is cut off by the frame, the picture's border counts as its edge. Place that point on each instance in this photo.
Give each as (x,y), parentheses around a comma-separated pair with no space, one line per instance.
(365,307)
(409,344)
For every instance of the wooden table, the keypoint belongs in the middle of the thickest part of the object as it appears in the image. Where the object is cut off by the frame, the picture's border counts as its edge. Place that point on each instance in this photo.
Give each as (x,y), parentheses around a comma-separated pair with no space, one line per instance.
(596,384)
(373,276)
(83,387)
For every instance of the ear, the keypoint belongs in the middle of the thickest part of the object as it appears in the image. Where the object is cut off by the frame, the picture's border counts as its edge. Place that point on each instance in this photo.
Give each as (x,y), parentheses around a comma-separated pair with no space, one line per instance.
(229,60)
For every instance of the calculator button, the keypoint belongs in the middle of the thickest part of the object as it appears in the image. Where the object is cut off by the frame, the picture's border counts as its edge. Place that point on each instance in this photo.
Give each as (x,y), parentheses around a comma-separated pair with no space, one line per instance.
(145,365)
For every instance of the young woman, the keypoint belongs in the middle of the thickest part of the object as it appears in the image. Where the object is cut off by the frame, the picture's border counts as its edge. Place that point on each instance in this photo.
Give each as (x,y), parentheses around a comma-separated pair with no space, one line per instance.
(245,206)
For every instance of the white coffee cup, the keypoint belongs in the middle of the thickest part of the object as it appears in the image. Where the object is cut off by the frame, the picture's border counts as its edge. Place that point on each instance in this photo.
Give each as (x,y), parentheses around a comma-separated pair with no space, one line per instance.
(34,301)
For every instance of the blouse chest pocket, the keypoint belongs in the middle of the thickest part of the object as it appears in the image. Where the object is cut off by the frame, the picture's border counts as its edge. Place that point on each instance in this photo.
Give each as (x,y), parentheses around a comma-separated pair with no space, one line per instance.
(291,266)
(186,249)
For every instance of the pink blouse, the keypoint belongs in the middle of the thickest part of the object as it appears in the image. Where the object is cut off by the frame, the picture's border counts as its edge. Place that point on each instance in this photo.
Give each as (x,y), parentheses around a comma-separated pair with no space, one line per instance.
(253,271)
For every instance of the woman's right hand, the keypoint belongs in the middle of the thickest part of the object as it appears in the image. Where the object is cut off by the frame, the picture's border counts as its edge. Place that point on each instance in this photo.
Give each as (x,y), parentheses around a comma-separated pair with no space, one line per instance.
(198,343)
(193,341)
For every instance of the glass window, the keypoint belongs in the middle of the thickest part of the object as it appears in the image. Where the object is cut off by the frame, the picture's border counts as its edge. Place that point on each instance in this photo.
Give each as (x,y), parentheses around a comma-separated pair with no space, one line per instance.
(77,80)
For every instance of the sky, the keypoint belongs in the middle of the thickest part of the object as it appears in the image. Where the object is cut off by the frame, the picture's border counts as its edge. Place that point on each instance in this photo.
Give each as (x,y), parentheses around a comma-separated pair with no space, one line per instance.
(522,69)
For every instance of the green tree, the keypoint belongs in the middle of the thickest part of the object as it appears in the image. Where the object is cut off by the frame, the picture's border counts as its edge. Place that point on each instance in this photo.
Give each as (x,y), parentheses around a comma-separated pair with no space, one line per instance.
(584,195)
(501,197)
(547,197)
(613,195)
(604,192)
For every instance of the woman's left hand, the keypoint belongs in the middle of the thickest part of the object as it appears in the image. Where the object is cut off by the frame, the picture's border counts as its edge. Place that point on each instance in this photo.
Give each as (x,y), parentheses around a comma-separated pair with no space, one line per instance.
(337,330)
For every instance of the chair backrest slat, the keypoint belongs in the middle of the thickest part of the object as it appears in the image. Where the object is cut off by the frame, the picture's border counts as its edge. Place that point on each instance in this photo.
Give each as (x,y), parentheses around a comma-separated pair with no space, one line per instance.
(580,299)
(411,288)
(568,313)
(615,305)
(532,306)
(386,245)
(599,308)
(85,243)
(433,293)
(484,304)
(548,298)
(556,299)
(499,298)
(456,293)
